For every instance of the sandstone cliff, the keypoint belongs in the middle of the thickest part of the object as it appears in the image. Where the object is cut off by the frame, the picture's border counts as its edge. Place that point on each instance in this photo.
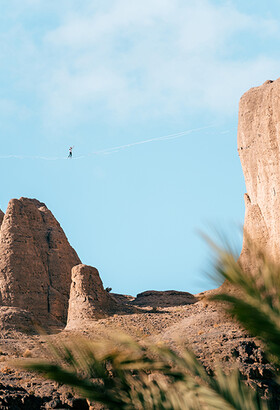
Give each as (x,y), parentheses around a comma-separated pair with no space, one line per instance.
(35,262)
(258,147)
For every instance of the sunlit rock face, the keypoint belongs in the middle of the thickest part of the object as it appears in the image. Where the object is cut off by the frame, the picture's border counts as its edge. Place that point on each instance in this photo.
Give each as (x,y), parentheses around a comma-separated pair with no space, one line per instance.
(35,262)
(258,147)
(88,299)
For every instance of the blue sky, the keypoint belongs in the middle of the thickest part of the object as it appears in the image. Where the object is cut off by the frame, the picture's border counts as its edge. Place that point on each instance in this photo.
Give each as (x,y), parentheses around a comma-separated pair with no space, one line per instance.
(100,74)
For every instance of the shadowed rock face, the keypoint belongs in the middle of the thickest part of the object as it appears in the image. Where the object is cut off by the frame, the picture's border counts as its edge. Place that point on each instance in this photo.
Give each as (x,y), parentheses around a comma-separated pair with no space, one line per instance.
(88,299)
(157,298)
(35,262)
(1,216)
(258,147)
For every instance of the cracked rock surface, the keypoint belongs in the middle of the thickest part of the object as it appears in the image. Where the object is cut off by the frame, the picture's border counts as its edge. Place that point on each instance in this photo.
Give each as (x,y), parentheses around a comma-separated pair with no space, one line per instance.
(258,148)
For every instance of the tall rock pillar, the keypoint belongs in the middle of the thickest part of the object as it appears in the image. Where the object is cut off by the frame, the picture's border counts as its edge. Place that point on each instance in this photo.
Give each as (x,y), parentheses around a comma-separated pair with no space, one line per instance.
(259,151)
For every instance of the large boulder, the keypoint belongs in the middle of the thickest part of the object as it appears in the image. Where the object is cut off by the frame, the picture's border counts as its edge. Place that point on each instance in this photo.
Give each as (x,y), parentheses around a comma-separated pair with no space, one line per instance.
(258,147)
(35,262)
(88,299)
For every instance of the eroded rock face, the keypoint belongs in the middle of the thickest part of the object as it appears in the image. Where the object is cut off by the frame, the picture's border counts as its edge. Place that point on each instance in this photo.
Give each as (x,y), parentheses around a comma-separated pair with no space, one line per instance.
(88,299)
(35,262)
(258,147)
(17,318)
(1,216)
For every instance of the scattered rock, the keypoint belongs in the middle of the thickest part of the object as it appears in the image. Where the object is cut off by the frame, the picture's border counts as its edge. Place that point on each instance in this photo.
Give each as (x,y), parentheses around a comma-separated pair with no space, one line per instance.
(14,398)
(14,317)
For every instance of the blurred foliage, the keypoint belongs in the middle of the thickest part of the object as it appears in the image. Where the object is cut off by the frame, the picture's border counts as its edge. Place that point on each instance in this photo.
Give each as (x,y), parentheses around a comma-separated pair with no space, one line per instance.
(125,374)
(252,296)
(128,375)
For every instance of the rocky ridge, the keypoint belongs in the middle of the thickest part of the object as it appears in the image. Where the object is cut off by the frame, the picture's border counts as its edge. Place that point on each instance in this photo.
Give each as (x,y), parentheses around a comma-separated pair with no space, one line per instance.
(165,298)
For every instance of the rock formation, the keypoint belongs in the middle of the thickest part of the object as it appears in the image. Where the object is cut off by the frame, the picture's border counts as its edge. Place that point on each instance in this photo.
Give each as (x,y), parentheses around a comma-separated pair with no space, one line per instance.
(258,147)
(1,216)
(16,318)
(35,262)
(155,298)
(88,299)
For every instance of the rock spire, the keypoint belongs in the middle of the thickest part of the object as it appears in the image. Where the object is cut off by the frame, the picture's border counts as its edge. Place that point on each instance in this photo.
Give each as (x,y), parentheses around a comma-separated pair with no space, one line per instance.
(88,299)
(258,147)
(35,262)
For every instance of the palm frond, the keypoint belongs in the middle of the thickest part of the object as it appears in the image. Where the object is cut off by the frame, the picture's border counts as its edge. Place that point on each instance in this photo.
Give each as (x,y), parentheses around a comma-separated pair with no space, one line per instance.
(255,298)
(126,374)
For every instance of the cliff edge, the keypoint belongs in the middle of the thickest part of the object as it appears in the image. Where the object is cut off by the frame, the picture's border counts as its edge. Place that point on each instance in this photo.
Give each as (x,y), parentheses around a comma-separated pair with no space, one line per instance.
(258,148)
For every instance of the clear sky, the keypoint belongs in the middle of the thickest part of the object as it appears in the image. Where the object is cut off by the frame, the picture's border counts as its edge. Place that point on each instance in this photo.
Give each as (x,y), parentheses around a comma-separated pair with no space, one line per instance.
(98,74)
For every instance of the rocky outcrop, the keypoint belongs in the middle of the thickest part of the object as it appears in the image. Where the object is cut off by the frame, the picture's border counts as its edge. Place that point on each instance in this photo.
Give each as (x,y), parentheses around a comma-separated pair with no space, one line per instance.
(45,396)
(35,262)
(258,147)
(88,299)
(1,216)
(155,298)
(17,318)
